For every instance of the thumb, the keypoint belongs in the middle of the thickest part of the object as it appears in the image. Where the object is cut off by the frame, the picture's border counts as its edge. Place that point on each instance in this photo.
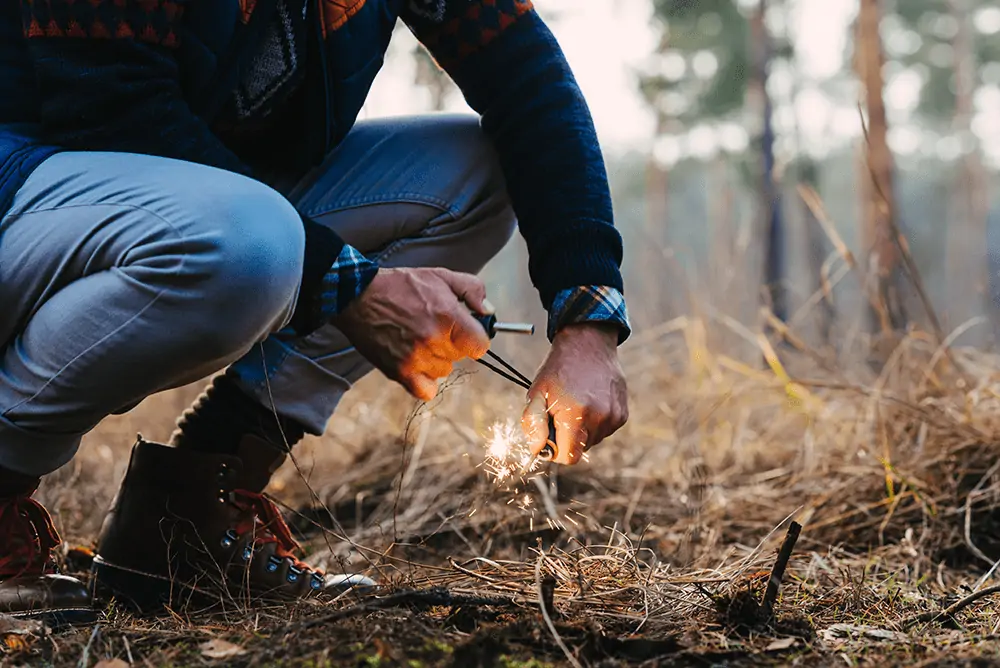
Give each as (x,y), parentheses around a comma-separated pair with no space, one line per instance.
(468,289)
(534,423)
(421,386)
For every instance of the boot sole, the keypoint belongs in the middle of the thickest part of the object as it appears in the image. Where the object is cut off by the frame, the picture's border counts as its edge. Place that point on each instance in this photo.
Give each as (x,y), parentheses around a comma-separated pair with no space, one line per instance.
(59,618)
(150,594)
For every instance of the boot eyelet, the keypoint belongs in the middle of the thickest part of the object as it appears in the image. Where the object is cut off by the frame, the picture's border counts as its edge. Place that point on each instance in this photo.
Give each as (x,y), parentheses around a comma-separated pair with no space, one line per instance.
(230,538)
(293,574)
(223,472)
(247,553)
(316,582)
(272,564)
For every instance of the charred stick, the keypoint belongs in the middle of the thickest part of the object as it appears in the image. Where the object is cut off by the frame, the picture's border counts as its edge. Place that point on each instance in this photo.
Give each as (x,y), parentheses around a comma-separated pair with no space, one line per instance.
(778,571)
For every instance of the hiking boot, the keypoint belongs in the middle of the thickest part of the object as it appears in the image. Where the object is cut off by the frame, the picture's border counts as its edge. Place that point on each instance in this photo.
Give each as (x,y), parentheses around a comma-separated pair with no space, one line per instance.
(193,528)
(30,588)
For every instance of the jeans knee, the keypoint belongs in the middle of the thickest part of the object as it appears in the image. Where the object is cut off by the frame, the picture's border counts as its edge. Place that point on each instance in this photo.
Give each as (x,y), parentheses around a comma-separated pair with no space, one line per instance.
(489,207)
(250,267)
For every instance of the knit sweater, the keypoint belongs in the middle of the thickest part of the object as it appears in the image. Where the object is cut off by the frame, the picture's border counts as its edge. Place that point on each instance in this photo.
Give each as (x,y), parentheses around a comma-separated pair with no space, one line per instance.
(170,78)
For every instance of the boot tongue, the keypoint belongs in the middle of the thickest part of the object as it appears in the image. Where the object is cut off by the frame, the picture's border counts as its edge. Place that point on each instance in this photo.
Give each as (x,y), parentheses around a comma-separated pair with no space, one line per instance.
(260,460)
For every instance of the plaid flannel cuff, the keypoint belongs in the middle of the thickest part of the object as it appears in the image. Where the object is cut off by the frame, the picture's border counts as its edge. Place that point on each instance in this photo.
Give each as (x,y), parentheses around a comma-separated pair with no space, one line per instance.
(347,279)
(589,303)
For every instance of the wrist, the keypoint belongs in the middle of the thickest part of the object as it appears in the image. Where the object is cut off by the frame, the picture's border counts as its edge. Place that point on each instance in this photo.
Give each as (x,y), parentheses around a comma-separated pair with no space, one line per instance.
(599,333)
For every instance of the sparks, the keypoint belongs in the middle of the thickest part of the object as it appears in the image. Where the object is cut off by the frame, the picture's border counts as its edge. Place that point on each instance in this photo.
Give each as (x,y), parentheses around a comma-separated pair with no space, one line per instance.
(507,453)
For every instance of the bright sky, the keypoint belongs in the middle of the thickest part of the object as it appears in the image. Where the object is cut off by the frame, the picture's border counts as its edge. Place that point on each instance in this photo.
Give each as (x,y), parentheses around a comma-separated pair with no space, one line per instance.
(607,41)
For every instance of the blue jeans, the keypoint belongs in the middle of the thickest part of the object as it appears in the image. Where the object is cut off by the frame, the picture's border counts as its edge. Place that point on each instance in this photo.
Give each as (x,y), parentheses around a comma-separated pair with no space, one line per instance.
(124,275)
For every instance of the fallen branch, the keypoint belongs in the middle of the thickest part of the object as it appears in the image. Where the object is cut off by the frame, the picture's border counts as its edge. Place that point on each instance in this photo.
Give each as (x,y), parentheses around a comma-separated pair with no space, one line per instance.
(951,609)
(778,571)
(436,596)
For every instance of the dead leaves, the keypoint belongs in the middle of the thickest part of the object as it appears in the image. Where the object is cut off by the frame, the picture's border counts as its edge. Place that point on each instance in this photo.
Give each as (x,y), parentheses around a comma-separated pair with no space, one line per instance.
(17,634)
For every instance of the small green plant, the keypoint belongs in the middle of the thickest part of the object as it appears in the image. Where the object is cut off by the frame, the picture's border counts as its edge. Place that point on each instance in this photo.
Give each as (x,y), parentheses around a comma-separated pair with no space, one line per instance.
(508,662)
(440,646)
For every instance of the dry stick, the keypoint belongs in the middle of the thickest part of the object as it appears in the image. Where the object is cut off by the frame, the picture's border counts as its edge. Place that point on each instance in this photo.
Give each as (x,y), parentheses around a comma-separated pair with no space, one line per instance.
(778,572)
(968,514)
(815,204)
(951,609)
(545,614)
(436,596)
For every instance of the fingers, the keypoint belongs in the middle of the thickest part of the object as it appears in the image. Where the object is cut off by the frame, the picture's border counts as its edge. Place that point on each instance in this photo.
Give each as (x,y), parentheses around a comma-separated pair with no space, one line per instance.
(572,434)
(535,423)
(468,338)
(469,290)
(420,386)
(579,426)
(421,375)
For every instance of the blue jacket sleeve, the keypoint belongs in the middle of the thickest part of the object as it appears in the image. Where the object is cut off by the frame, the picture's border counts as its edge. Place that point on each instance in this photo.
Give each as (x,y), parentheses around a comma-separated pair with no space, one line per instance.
(513,72)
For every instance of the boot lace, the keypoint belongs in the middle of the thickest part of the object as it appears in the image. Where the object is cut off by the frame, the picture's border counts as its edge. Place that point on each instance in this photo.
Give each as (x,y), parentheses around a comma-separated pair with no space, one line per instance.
(27,538)
(268,526)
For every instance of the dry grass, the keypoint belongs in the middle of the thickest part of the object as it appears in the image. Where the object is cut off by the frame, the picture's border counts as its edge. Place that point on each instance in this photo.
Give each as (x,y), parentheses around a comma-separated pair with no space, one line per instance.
(657,547)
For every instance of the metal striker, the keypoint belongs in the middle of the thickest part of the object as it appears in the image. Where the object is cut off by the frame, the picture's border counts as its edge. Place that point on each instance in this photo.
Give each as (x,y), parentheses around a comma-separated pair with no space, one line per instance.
(492,326)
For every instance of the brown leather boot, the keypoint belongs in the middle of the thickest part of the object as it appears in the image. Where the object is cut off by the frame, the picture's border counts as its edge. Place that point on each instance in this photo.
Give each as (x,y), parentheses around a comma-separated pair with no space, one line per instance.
(29,585)
(194,528)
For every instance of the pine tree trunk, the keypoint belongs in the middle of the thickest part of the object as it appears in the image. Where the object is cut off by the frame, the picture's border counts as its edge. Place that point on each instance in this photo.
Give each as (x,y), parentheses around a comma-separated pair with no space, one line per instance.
(879,205)
(769,204)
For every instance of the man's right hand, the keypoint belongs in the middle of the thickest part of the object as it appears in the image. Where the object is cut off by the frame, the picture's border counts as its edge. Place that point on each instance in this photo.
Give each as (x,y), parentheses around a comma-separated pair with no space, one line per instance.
(414,324)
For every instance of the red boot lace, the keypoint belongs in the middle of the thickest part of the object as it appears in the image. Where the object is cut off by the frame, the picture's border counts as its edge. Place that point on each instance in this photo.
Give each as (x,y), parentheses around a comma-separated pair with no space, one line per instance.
(268,526)
(27,538)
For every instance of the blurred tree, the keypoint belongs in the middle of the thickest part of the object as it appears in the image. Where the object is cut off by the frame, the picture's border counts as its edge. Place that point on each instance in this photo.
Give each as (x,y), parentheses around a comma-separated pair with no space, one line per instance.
(879,219)
(967,270)
(711,69)
(937,41)
(432,78)
(769,203)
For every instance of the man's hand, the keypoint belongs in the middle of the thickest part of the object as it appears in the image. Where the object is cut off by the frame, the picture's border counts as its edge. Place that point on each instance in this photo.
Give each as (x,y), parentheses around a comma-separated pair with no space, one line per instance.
(582,385)
(414,324)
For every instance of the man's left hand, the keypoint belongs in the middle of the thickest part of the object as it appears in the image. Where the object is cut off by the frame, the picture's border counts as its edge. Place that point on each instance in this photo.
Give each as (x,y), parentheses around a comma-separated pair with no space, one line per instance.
(582,385)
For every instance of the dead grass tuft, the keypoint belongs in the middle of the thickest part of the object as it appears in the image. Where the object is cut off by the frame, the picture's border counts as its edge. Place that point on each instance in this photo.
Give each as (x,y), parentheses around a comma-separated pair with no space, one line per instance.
(666,537)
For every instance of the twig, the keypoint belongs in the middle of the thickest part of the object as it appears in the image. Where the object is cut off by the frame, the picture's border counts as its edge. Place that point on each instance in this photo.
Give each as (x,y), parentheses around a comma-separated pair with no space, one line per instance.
(968,514)
(545,614)
(85,655)
(128,651)
(951,609)
(436,596)
(778,571)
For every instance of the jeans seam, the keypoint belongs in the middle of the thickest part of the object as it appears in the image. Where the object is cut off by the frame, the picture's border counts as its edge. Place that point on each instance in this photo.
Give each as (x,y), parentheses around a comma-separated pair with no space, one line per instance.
(104,338)
(394,198)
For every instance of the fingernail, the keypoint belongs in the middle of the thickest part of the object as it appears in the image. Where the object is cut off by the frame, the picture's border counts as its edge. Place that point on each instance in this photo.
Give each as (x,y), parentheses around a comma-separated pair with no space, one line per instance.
(489,307)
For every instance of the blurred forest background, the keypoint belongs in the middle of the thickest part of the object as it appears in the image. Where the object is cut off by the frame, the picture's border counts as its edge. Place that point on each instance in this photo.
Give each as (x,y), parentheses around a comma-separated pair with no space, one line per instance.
(747,138)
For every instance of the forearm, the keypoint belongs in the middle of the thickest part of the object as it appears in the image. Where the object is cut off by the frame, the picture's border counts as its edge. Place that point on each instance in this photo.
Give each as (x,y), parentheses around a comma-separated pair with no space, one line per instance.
(538,119)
